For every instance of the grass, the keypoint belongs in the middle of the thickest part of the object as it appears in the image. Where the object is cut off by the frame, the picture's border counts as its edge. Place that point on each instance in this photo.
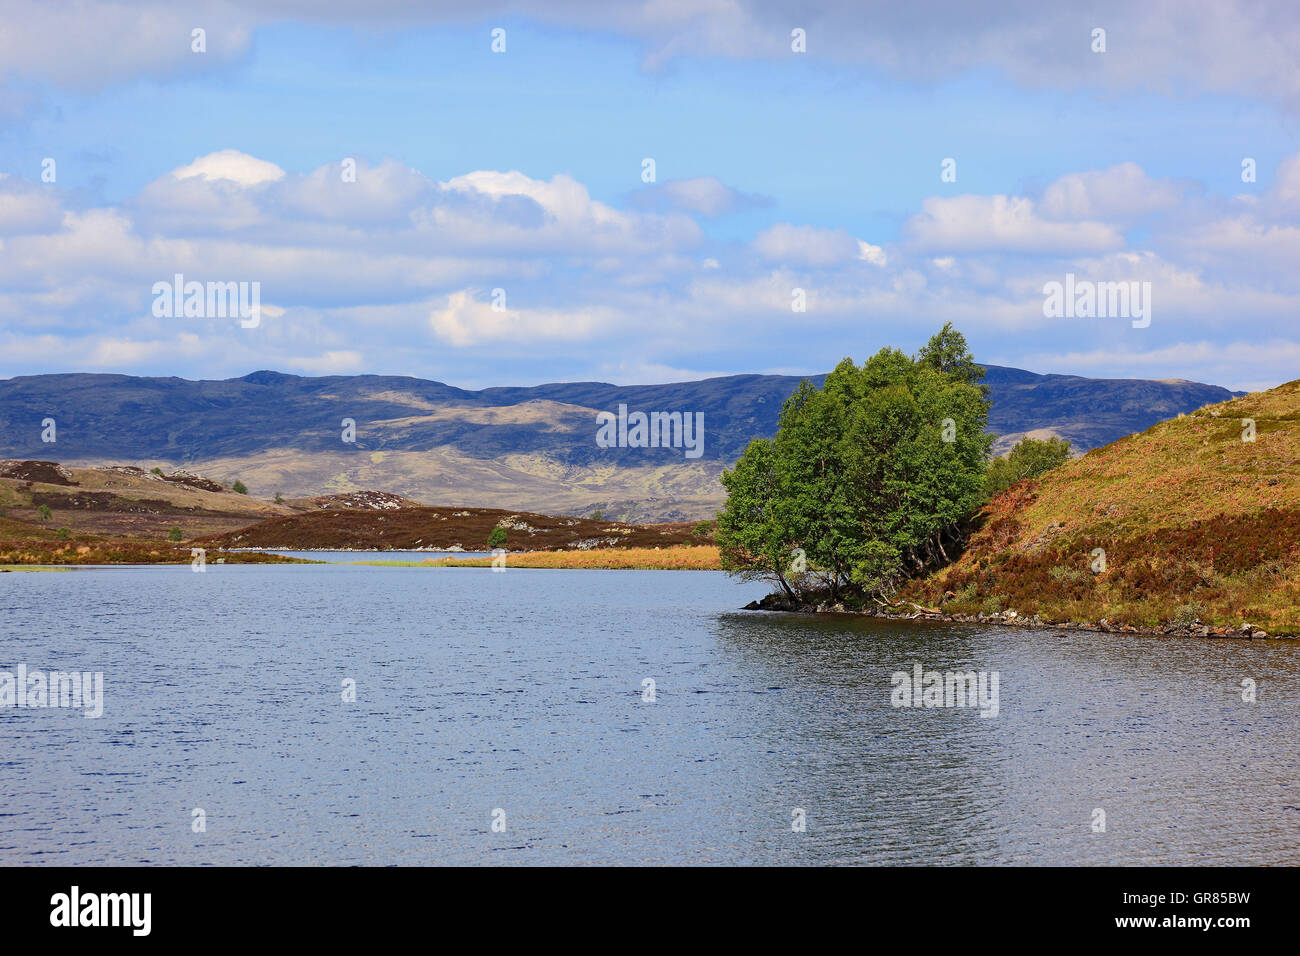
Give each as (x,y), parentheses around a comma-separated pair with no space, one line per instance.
(1197,526)
(674,558)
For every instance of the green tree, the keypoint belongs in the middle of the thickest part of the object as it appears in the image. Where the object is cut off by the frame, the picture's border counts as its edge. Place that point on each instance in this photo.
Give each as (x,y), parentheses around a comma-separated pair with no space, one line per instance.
(598,515)
(175,534)
(279,498)
(868,478)
(43,512)
(65,533)
(239,487)
(497,539)
(1028,459)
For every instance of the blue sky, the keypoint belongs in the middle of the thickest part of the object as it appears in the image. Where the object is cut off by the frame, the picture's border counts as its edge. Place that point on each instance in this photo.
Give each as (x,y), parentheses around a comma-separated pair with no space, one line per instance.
(522,171)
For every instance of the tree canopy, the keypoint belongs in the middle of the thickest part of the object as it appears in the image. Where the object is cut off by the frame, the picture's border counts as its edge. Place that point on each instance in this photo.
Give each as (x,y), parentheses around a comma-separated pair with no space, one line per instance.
(867,478)
(1028,459)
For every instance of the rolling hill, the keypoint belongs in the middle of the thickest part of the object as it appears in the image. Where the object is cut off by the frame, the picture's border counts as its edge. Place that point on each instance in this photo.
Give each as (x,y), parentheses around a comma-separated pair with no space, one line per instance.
(1198,528)
(530,448)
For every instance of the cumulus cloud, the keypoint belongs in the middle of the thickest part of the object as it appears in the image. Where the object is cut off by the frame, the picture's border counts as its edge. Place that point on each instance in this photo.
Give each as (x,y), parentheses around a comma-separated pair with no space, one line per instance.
(1002,224)
(814,246)
(26,207)
(397,271)
(467,319)
(232,166)
(1122,193)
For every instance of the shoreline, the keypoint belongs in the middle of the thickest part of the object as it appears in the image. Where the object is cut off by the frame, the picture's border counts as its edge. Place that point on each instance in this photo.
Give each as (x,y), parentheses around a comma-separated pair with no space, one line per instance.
(1244,631)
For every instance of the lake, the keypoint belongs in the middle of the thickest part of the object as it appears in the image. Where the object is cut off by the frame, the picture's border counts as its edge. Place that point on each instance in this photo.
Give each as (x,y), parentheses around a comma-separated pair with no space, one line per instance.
(518,698)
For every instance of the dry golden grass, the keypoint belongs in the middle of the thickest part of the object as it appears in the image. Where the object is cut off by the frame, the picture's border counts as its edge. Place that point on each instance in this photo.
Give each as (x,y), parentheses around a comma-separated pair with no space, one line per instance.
(1195,523)
(677,558)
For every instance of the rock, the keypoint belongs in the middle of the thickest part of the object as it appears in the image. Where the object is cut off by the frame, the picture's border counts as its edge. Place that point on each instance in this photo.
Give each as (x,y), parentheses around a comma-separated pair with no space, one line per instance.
(1258,634)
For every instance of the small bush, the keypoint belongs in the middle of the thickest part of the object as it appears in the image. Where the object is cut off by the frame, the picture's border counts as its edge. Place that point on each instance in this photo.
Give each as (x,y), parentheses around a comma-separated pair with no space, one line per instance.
(239,487)
(1185,615)
(598,515)
(43,512)
(175,534)
(65,533)
(1028,459)
(156,471)
(702,529)
(497,539)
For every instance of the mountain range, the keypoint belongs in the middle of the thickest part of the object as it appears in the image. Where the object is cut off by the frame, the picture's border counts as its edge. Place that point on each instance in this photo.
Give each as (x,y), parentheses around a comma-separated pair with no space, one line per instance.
(531,448)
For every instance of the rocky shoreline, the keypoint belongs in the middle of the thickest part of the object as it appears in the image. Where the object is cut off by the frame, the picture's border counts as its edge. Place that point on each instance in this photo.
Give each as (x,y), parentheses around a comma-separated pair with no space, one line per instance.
(914,612)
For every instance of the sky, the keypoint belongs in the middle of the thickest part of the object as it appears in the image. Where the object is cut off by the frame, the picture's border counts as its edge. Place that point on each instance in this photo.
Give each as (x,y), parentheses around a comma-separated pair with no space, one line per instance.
(464,192)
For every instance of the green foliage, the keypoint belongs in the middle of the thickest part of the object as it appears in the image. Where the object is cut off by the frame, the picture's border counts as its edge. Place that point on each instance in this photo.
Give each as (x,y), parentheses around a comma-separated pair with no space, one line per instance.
(702,529)
(598,515)
(239,487)
(497,539)
(175,534)
(279,498)
(1188,614)
(1028,459)
(65,533)
(43,512)
(865,478)
(156,471)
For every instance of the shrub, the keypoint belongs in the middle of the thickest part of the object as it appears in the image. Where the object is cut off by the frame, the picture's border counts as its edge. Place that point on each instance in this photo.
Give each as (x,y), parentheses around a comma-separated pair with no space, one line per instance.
(1185,615)
(703,528)
(598,515)
(156,471)
(175,534)
(43,512)
(497,539)
(239,487)
(1028,459)
(65,533)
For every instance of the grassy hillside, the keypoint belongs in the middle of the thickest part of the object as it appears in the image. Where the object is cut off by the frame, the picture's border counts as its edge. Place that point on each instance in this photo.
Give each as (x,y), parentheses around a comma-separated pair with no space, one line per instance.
(1199,529)
(121,501)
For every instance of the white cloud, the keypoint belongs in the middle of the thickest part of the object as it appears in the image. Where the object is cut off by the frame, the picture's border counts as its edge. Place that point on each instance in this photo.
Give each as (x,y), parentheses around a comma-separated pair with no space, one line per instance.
(469,320)
(813,246)
(1004,224)
(232,165)
(395,271)
(1121,193)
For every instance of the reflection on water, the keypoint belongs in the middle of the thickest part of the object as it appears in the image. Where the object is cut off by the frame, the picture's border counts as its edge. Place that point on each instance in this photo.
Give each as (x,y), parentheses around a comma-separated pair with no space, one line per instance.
(523,691)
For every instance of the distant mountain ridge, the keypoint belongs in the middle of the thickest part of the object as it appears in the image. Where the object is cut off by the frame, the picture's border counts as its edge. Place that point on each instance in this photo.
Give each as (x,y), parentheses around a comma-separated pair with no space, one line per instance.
(528,447)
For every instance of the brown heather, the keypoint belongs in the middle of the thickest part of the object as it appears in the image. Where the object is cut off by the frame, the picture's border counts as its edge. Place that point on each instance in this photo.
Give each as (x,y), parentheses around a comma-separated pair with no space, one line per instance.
(1197,525)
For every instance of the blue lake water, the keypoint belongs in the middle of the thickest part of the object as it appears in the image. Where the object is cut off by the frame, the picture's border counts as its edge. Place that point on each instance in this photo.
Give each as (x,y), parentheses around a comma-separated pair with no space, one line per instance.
(522,692)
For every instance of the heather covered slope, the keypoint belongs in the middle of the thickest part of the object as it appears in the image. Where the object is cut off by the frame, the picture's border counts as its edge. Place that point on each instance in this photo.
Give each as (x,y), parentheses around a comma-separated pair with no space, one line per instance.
(451,529)
(1198,528)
